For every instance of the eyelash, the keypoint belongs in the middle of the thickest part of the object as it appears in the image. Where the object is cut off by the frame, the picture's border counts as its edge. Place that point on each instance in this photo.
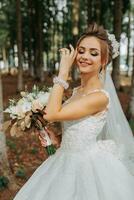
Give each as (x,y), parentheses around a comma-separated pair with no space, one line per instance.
(93,54)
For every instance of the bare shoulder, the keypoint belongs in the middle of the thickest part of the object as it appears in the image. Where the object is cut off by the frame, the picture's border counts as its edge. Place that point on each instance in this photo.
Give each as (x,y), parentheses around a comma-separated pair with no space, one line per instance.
(99,99)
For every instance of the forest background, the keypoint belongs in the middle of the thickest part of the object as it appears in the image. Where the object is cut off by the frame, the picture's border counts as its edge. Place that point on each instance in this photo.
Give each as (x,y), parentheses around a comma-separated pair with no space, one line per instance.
(31,33)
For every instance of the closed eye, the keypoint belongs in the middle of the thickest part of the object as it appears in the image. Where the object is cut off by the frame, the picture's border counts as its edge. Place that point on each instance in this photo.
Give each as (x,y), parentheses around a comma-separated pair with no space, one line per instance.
(80,51)
(94,54)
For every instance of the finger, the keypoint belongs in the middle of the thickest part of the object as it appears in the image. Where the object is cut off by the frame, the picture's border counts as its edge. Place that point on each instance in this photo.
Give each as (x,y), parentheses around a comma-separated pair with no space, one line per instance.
(62,52)
(41,138)
(65,51)
(62,49)
(42,112)
(43,144)
(48,130)
(50,133)
(72,49)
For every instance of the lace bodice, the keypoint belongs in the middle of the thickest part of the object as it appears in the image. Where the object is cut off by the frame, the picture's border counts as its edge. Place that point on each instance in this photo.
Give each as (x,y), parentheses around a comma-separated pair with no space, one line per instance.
(82,133)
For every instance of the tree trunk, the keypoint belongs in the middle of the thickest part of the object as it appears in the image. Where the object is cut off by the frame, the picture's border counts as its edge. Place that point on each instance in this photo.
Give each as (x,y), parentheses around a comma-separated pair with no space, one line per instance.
(75,30)
(38,41)
(128,36)
(19,45)
(4,164)
(130,111)
(117,32)
(30,63)
(41,46)
(98,11)
(89,11)
(4,57)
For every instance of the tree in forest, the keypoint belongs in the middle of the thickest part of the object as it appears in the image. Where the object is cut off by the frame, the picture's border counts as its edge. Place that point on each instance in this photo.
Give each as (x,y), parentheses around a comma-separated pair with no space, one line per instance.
(117,31)
(89,7)
(75,28)
(127,29)
(130,111)
(5,170)
(98,5)
(38,39)
(48,26)
(3,36)
(19,45)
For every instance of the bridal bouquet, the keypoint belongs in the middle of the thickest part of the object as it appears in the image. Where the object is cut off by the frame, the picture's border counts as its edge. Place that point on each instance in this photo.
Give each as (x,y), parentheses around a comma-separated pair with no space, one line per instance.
(25,114)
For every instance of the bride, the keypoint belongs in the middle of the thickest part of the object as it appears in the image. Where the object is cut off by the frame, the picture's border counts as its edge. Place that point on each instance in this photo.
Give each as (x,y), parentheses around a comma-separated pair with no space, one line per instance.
(95,157)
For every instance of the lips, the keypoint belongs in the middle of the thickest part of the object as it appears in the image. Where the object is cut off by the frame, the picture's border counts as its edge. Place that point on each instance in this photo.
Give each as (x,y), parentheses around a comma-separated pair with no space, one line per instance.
(83,63)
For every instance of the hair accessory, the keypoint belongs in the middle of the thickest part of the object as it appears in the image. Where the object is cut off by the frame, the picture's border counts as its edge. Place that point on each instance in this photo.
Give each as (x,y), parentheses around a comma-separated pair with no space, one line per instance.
(115,45)
(60,81)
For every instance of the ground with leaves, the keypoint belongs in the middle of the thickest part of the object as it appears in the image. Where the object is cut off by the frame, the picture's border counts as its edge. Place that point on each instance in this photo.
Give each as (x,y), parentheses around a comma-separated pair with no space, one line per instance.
(25,154)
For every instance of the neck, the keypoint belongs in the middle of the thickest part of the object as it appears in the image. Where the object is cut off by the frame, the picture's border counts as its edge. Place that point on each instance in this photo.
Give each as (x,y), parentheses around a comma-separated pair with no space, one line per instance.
(90,81)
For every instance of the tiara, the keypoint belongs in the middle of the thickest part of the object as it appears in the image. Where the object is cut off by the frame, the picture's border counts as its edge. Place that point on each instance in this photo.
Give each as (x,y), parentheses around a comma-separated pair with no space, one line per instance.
(115,45)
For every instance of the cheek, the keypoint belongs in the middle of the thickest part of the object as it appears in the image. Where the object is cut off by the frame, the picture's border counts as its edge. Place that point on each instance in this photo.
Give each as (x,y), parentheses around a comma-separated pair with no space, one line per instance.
(97,60)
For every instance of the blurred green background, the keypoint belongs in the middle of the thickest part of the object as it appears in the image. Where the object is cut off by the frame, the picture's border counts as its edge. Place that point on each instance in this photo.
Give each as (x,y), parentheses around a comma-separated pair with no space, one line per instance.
(31,33)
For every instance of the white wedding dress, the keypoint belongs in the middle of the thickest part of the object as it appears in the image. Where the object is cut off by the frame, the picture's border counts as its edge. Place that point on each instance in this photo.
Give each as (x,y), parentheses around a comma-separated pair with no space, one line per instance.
(83,168)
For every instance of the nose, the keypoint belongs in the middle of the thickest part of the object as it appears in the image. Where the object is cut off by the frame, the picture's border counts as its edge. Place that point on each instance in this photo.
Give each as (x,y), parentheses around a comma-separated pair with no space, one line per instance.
(86,55)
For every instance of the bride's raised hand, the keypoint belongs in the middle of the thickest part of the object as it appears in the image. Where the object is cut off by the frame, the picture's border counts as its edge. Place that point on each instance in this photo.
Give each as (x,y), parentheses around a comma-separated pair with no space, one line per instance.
(67,59)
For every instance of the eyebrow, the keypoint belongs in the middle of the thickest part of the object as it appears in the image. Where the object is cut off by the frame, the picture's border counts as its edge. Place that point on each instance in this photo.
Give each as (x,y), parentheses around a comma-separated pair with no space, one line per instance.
(89,48)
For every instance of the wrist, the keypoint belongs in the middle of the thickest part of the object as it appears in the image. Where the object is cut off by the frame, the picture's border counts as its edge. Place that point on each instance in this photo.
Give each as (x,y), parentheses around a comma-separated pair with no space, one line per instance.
(63,75)
(62,81)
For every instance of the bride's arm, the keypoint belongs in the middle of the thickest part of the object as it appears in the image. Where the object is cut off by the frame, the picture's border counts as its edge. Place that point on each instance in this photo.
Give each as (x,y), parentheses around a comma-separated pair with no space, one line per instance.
(54,104)
(87,105)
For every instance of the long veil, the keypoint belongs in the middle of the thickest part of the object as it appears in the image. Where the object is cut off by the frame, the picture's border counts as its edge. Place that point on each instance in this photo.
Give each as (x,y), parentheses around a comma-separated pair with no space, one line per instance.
(117,126)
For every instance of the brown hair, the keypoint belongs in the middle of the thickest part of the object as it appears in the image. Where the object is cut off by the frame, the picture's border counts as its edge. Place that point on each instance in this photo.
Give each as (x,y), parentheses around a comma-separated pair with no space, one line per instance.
(99,32)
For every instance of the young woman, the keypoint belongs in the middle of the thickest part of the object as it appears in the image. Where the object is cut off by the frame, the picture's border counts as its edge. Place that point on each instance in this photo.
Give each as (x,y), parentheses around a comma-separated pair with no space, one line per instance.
(83,167)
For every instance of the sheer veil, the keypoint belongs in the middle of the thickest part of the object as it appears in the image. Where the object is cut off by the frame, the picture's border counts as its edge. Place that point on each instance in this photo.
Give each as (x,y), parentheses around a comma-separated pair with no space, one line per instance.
(117,126)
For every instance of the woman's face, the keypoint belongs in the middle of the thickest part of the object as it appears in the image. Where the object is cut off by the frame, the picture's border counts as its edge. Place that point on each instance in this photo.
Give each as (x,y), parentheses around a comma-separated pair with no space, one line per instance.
(88,58)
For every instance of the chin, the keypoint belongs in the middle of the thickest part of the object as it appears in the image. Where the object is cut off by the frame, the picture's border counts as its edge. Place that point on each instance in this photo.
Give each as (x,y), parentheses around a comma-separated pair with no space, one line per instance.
(84,70)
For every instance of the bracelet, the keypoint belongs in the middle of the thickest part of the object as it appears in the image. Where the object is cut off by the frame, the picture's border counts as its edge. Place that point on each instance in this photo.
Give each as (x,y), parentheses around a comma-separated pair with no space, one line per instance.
(60,81)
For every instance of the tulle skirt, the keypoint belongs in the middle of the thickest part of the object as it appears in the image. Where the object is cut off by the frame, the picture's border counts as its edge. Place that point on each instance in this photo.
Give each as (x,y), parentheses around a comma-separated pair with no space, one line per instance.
(84,175)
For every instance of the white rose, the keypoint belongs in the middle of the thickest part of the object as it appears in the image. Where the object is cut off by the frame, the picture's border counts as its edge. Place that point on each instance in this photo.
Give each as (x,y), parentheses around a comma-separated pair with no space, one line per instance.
(36,105)
(23,94)
(43,98)
(13,111)
(20,102)
(26,106)
(30,97)
(20,112)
